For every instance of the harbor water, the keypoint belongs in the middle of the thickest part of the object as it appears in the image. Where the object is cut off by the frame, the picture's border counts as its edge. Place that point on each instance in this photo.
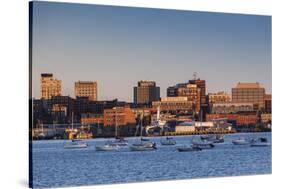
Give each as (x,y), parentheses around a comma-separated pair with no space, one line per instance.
(54,166)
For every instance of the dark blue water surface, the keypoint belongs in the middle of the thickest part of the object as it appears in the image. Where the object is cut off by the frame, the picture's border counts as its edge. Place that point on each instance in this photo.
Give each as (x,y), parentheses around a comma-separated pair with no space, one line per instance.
(54,166)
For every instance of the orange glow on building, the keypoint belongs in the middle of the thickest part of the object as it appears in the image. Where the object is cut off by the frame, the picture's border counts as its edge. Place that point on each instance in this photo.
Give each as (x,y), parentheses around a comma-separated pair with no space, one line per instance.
(239,118)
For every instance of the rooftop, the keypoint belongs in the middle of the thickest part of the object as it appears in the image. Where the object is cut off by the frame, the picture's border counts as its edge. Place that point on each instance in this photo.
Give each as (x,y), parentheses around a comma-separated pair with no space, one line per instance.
(248,85)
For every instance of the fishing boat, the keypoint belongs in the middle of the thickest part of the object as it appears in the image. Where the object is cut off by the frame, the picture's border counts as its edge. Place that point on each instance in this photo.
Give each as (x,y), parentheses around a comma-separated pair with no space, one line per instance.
(168,141)
(143,144)
(260,142)
(188,149)
(241,141)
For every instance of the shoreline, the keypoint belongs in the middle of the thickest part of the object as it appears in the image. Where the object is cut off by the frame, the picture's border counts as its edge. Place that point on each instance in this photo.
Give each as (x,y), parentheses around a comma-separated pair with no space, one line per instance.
(165,135)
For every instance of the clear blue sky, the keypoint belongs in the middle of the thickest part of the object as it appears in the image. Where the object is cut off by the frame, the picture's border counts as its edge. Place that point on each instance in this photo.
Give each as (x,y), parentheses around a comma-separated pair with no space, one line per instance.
(117,46)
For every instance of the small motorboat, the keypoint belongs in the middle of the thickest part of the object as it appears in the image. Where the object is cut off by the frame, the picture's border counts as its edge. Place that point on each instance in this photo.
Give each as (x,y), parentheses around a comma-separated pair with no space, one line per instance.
(188,149)
(213,138)
(75,144)
(168,141)
(143,147)
(203,144)
(119,141)
(260,142)
(218,138)
(107,147)
(241,141)
(146,144)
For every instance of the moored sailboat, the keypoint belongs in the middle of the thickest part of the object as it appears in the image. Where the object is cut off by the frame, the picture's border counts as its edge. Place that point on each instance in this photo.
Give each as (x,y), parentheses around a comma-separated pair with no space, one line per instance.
(144,144)
(75,143)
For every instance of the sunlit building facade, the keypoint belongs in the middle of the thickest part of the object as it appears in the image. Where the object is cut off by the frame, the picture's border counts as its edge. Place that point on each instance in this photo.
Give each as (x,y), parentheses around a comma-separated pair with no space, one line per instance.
(86,89)
(249,93)
(49,86)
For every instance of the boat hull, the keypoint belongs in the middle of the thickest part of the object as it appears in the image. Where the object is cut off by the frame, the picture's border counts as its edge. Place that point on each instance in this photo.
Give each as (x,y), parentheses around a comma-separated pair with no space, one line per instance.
(240,142)
(203,146)
(75,146)
(145,144)
(141,148)
(188,149)
(168,142)
(105,148)
(260,144)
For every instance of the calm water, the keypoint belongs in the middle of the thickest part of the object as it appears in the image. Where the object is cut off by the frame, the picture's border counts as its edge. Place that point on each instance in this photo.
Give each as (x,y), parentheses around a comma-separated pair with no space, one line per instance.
(54,166)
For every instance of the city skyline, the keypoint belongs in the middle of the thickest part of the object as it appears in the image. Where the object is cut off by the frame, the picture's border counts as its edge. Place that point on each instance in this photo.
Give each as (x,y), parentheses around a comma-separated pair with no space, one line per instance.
(117,50)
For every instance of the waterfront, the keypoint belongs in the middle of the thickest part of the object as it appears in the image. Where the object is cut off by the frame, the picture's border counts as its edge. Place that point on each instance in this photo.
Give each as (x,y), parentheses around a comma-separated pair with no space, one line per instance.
(54,166)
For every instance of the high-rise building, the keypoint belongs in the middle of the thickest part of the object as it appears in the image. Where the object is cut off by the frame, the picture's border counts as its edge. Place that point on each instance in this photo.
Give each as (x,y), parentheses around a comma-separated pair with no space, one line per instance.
(86,89)
(202,85)
(267,102)
(49,86)
(249,92)
(146,92)
(192,92)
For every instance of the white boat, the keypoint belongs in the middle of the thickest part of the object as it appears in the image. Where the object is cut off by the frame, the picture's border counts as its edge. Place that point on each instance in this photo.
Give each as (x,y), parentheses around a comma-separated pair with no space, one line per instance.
(143,147)
(241,141)
(75,144)
(203,144)
(119,141)
(188,149)
(144,144)
(261,142)
(107,147)
(215,138)
(168,141)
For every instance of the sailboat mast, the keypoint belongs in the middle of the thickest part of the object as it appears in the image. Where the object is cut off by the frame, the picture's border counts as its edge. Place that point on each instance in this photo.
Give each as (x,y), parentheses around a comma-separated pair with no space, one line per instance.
(72,120)
(42,128)
(115,122)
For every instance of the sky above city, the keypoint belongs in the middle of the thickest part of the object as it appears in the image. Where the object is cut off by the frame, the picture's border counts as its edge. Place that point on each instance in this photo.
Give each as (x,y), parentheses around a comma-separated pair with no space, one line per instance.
(118,46)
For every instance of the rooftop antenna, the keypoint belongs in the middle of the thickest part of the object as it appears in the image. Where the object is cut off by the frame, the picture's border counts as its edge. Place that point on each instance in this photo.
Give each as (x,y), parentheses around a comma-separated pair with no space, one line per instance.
(194,75)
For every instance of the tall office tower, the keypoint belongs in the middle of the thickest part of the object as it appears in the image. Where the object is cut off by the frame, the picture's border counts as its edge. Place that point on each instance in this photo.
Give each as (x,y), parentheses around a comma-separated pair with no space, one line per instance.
(202,85)
(49,86)
(192,92)
(86,89)
(146,92)
(249,92)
